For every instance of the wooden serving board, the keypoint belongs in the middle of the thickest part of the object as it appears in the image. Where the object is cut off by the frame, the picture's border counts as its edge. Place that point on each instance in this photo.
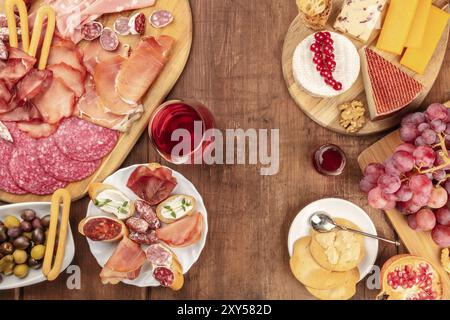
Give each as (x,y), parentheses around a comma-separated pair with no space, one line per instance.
(324,111)
(417,243)
(181,31)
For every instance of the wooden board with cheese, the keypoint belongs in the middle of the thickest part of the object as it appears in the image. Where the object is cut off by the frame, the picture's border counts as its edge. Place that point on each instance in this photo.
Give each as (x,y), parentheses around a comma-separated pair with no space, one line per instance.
(326,109)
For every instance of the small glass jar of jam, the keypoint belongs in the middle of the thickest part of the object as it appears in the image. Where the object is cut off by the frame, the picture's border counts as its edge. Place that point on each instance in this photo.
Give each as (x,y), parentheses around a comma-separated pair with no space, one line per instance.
(329,160)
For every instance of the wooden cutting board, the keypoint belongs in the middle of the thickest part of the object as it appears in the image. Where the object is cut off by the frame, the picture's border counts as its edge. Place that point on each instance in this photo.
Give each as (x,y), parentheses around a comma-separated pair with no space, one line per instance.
(417,243)
(324,111)
(181,31)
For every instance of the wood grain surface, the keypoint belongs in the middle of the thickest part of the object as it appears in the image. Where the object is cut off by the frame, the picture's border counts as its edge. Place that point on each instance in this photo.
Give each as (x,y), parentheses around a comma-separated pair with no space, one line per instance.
(181,31)
(418,243)
(235,69)
(325,111)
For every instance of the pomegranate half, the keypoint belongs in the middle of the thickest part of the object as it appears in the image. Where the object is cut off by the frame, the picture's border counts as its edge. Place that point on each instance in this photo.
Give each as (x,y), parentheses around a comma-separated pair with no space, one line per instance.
(408,277)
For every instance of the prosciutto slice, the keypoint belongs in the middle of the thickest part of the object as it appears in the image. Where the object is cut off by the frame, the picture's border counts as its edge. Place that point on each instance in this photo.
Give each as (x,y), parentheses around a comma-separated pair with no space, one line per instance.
(133,81)
(72,78)
(152,184)
(71,56)
(37,130)
(16,67)
(182,233)
(24,112)
(93,54)
(5,97)
(35,82)
(124,263)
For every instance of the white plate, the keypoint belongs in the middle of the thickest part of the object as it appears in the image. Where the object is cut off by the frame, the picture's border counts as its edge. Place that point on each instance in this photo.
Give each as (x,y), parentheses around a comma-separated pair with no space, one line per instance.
(337,208)
(34,275)
(187,256)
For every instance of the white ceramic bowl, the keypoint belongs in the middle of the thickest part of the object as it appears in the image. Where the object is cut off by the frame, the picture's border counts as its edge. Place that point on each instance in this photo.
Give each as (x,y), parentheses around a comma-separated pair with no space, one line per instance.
(337,208)
(34,275)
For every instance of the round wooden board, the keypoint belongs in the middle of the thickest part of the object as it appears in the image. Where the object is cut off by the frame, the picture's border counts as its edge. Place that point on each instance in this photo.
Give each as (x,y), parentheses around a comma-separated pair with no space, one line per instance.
(324,111)
(181,31)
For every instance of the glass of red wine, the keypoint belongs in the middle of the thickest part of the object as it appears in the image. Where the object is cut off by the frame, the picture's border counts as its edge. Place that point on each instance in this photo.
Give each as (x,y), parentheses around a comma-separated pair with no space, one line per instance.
(329,160)
(180,131)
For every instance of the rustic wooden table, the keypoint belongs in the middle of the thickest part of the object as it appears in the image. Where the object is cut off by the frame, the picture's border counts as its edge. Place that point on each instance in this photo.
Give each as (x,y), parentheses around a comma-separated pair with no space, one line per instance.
(235,69)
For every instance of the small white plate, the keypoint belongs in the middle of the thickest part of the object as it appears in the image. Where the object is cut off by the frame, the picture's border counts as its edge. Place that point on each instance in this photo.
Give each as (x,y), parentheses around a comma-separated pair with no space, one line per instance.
(35,275)
(187,256)
(337,208)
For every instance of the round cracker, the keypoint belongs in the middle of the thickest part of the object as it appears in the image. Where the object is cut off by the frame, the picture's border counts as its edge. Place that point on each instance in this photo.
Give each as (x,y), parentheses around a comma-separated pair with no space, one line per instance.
(309,272)
(319,254)
(342,292)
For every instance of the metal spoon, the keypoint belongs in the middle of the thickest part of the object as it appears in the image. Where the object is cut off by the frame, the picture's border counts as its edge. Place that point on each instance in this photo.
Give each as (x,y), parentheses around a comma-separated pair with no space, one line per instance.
(322,222)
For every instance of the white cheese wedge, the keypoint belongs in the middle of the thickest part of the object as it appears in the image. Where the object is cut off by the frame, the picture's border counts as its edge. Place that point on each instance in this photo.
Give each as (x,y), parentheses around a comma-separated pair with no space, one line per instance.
(309,79)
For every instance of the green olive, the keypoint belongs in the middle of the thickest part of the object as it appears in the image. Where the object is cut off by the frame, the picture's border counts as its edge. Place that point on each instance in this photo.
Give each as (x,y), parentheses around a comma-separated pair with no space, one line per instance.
(21,242)
(11,222)
(6,248)
(38,252)
(34,264)
(21,271)
(28,215)
(38,236)
(20,256)
(45,221)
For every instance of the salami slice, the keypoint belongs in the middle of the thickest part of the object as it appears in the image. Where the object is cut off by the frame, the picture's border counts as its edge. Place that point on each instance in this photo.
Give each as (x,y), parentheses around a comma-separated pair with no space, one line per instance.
(164,276)
(91,30)
(6,181)
(144,238)
(109,40)
(122,26)
(59,166)
(158,255)
(161,18)
(145,211)
(137,224)
(84,141)
(28,174)
(137,23)
(3,51)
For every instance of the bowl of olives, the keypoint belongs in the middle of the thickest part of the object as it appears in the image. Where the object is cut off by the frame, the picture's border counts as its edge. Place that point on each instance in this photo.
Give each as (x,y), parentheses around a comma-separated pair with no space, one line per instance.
(23,236)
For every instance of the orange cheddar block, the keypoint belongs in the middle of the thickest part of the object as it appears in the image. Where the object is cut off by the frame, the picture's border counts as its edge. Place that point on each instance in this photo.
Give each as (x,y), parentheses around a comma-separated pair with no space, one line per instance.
(417,59)
(417,30)
(396,26)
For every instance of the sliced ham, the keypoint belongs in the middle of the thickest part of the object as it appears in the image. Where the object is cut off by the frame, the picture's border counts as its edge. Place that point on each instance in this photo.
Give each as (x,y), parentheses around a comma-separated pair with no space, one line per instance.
(105,75)
(152,184)
(56,103)
(35,82)
(182,233)
(73,78)
(133,81)
(18,65)
(5,94)
(37,130)
(24,112)
(124,263)
(65,54)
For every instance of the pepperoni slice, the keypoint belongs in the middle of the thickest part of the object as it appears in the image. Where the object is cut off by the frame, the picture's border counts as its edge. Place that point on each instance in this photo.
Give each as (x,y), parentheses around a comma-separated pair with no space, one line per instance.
(122,26)
(137,23)
(109,40)
(164,276)
(161,18)
(84,141)
(91,30)
(61,167)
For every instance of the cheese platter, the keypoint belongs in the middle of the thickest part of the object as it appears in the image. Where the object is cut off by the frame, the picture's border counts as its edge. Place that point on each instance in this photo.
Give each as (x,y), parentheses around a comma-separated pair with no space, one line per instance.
(93,131)
(412,73)
(421,243)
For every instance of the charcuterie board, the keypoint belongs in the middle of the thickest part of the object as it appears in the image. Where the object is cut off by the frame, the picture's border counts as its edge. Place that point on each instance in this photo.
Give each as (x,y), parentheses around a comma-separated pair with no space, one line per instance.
(181,31)
(324,111)
(417,243)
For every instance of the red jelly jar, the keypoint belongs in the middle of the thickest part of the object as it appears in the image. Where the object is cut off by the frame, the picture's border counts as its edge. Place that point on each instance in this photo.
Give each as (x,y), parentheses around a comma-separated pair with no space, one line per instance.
(329,160)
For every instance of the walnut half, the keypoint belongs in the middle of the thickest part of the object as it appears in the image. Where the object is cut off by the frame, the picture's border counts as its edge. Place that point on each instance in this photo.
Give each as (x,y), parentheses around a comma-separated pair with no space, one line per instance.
(352,116)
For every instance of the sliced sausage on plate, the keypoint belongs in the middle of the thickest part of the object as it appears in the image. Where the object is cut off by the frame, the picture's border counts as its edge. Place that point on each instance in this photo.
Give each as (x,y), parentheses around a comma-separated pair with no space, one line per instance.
(109,40)
(91,30)
(6,181)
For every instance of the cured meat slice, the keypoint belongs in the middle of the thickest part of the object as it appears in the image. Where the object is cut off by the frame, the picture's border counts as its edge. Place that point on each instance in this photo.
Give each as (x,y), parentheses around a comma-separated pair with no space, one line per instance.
(152,184)
(28,174)
(133,80)
(105,74)
(18,65)
(84,141)
(161,18)
(121,26)
(137,23)
(60,167)
(37,130)
(388,88)
(72,78)
(7,183)
(124,263)
(24,112)
(35,82)
(144,238)
(100,7)
(137,225)
(56,103)
(109,40)
(164,276)
(145,211)
(182,233)
(20,138)
(158,255)
(91,30)
(94,54)
(3,51)
(5,97)
(68,55)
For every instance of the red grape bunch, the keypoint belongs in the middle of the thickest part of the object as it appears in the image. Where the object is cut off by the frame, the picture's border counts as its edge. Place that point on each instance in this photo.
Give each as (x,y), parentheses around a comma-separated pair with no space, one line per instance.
(414,180)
